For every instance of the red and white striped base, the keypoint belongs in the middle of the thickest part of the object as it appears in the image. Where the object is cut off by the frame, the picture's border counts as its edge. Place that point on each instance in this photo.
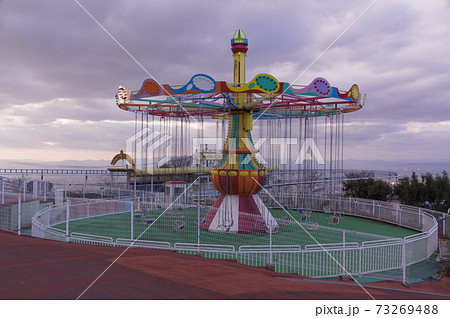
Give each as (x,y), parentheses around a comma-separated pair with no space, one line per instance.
(239,214)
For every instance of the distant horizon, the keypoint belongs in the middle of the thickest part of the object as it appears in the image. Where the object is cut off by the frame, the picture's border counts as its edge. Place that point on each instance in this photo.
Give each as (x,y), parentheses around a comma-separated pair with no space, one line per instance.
(402,167)
(3,161)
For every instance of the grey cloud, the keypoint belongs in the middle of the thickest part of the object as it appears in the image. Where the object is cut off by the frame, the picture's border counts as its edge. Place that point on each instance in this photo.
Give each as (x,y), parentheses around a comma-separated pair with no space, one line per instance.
(396,52)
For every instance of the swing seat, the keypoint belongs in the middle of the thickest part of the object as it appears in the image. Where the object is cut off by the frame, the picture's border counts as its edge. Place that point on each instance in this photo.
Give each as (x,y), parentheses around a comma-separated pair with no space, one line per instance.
(149,221)
(335,220)
(313,226)
(179,227)
(171,212)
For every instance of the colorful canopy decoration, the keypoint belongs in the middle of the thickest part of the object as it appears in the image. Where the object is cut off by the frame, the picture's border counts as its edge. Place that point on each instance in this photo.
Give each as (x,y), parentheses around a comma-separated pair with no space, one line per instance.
(264,95)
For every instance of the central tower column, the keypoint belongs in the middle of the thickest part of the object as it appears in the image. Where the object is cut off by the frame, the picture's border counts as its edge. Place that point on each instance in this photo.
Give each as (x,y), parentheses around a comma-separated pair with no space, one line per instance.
(239,176)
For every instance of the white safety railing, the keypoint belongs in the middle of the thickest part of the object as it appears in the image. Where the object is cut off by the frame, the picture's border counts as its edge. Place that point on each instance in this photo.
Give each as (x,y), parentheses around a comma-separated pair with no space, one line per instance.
(326,260)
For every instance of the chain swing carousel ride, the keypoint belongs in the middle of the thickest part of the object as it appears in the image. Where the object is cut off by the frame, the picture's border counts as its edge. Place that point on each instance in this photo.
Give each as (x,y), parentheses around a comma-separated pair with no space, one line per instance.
(280,107)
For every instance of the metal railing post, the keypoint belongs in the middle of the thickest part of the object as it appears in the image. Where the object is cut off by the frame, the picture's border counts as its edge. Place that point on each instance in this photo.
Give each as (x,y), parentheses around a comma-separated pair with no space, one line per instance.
(343,253)
(360,260)
(67,220)
(404,261)
(420,219)
(19,216)
(198,229)
(132,221)
(270,242)
(135,184)
(303,262)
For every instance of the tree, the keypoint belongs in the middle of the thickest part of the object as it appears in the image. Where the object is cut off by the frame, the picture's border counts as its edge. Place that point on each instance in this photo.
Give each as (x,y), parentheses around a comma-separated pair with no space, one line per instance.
(401,190)
(442,200)
(430,189)
(431,192)
(178,162)
(411,191)
(368,189)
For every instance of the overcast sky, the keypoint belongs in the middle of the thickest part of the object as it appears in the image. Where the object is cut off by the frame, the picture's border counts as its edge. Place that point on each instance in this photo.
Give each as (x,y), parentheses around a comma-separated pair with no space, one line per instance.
(60,70)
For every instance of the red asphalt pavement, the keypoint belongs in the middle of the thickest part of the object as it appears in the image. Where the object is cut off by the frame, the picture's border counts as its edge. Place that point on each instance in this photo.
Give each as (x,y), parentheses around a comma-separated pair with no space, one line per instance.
(32,268)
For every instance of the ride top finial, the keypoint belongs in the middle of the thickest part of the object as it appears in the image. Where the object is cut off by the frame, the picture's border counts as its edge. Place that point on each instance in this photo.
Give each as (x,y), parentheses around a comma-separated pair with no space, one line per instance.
(239,43)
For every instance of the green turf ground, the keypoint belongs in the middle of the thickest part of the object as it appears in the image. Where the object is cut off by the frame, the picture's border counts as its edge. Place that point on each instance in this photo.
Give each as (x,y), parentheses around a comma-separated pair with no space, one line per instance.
(180,226)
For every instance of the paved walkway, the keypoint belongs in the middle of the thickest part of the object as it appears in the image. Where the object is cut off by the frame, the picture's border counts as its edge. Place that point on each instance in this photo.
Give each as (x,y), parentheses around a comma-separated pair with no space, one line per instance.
(32,268)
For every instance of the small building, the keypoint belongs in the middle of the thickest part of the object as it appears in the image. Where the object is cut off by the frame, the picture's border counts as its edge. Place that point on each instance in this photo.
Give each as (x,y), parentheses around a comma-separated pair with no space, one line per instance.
(173,190)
